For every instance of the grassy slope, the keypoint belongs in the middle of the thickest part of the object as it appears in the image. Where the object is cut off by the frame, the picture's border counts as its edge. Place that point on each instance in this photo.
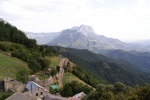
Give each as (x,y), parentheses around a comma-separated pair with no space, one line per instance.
(69,77)
(54,62)
(10,65)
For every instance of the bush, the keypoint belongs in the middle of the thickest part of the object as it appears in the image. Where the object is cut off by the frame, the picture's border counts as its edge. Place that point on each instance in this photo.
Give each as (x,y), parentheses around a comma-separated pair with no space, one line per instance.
(22,75)
(119,87)
(34,65)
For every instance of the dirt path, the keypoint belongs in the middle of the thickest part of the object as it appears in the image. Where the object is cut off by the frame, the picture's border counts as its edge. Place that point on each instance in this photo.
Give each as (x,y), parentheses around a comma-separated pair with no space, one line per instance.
(63,62)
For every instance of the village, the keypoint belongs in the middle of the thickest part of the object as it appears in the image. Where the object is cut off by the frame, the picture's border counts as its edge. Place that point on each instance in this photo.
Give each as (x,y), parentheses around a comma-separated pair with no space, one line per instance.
(36,89)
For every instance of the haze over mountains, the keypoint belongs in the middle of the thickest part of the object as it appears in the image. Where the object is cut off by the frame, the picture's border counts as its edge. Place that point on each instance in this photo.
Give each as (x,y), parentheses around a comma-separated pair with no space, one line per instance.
(43,38)
(84,37)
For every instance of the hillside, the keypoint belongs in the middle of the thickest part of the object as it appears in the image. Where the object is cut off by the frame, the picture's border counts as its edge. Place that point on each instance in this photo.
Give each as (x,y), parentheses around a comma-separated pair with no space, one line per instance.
(140,59)
(106,68)
(10,65)
(68,77)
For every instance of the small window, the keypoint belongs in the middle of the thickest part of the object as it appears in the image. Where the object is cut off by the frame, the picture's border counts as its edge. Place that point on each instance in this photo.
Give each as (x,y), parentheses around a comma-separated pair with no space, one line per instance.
(36,94)
(41,93)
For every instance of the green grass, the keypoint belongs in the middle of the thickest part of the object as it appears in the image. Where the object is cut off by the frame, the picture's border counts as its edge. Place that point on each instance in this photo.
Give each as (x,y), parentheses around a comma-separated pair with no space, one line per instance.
(69,77)
(41,75)
(54,62)
(10,65)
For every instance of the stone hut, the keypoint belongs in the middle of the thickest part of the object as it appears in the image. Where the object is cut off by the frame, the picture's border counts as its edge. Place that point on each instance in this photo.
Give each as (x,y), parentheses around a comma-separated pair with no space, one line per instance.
(13,85)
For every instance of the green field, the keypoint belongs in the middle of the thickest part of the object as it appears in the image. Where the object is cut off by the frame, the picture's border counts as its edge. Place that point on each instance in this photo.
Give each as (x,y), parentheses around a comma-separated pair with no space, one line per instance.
(10,65)
(69,77)
(54,62)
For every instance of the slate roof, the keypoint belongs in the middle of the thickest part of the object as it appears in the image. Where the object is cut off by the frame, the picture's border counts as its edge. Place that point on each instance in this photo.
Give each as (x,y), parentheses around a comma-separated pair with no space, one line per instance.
(32,86)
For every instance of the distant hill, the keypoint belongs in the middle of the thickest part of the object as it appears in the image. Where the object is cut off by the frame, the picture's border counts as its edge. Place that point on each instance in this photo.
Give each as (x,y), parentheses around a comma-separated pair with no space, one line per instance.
(143,42)
(141,59)
(42,38)
(106,68)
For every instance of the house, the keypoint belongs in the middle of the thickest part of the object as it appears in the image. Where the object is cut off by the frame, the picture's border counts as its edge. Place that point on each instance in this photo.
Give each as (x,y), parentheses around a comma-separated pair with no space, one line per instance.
(44,83)
(35,91)
(54,97)
(18,96)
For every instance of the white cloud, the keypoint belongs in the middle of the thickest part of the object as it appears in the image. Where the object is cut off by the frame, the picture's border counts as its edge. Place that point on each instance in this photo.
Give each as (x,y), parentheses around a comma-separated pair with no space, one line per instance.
(124,19)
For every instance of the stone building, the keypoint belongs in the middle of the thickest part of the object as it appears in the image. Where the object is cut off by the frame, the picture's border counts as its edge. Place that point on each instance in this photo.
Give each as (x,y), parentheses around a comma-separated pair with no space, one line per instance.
(13,85)
(35,91)
(44,83)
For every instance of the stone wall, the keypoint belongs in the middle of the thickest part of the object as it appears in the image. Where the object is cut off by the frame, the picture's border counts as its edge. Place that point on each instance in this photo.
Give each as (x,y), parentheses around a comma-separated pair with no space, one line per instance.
(13,85)
(38,93)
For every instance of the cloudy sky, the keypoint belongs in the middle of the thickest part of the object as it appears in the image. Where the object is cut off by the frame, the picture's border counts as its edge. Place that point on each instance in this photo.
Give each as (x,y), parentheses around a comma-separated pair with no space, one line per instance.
(122,19)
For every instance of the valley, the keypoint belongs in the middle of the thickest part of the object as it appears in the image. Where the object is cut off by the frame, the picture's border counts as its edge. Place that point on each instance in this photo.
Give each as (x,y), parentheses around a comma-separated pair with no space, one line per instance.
(77,61)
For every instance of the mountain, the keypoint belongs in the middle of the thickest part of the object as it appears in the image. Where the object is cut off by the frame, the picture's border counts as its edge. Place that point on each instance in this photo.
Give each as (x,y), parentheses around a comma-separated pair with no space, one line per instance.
(43,38)
(84,37)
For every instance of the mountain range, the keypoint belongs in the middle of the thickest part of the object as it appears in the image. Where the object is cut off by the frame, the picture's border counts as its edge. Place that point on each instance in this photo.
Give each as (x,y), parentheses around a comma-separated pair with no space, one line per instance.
(84,37)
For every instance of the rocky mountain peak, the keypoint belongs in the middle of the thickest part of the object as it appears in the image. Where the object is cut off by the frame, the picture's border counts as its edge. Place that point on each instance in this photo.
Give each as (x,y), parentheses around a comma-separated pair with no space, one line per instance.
(85,29)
